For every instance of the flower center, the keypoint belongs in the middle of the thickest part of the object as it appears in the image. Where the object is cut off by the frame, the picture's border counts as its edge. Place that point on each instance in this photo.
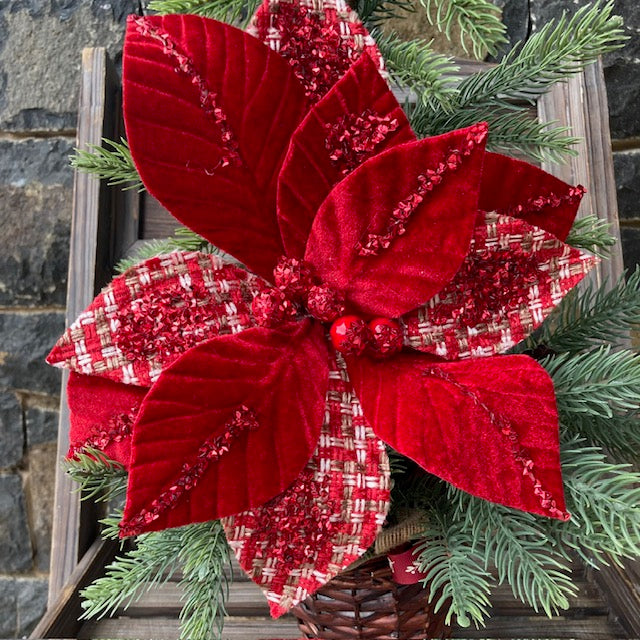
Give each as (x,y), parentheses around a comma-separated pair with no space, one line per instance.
(298,291)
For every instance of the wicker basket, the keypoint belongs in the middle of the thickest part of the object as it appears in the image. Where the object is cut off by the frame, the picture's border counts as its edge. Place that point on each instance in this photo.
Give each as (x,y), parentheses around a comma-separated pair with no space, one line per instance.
(366,604)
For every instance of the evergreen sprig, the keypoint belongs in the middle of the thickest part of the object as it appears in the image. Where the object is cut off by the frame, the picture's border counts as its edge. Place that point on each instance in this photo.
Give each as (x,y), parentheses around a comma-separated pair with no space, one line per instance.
(592,315)
(97,475)
(454,571)
(205,556)
(112,162)
(414,64)
(374,12)
(525,556)
(224,10)
(593,234)
(481,29)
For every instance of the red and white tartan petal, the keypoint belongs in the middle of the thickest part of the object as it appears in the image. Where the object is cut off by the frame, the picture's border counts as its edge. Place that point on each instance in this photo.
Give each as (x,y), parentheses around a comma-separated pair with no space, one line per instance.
(321,39)
(145,318)
(514,276)
(328,518)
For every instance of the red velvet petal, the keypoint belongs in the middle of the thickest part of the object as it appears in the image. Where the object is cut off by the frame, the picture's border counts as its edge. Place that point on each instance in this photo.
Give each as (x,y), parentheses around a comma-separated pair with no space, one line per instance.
(489,427)
(209,112)
(319,38)
(513,277)
(145,318)
(516,188)
(279,375)
(101,414)
(421,186)
(309,173)
(328,517)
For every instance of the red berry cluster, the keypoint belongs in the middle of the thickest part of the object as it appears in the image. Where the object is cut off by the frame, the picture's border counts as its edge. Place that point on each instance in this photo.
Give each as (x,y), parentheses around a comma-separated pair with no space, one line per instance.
(381,337)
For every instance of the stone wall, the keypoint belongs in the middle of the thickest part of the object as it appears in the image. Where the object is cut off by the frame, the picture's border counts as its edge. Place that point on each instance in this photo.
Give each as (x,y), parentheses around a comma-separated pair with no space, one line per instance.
(40,44)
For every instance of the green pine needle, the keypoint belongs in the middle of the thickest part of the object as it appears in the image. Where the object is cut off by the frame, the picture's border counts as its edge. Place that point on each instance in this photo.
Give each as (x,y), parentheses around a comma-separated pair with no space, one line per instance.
(591,233)
(414,64)
(374,12)
(97,475)
(454,571)
(224,10)
(112,162)
(481,28)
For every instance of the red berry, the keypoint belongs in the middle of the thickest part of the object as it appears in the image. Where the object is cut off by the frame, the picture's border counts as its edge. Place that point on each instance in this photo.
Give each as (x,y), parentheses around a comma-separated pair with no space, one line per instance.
(386,336)
(350,335)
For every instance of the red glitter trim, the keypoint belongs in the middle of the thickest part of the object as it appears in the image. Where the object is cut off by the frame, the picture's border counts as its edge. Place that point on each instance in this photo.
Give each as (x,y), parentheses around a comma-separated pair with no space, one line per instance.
(324,304)
(491,279)
(316,50)
(272,307)
(117,429)
(427,182)
(208,99)
(244,419)
(164,324)
(354,138)
(509,433)
(292,276)
(539,203)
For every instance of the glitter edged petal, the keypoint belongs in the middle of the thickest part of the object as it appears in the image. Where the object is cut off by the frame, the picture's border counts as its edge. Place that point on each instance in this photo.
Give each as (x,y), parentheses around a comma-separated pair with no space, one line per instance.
(488,426)
(145,318)
(329,517)
(357,119)
(512,279)
(228,426)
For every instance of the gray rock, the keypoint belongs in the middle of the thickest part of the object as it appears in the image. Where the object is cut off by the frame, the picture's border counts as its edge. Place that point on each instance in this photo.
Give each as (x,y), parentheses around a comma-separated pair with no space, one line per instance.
(630,247)
(26,340)
(42,464)
(15,544)
(31,603)
(627,168)
(9,608)
(34,244)
(40,95)
(45,161)
(41,424)
(515,16)
(11,431)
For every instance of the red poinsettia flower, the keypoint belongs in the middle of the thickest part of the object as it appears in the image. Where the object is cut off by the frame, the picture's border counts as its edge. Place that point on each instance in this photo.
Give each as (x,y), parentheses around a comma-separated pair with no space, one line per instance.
(385,276)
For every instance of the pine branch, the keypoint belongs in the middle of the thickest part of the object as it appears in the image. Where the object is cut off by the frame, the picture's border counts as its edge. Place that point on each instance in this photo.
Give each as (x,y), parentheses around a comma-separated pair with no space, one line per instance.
(99,477)
(205,555)
(526,557)
(454,571)
(128,577)
(112,163)
(481,28)
(591,233)
(604,501)
(374,12)
(224,10)
(415,66)
(593,316)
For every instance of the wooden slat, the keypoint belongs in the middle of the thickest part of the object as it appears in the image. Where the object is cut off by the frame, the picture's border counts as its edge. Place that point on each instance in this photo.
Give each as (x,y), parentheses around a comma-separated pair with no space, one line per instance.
(74,523)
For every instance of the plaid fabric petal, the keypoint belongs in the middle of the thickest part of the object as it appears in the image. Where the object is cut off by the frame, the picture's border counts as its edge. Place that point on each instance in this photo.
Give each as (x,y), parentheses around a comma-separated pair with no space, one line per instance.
(513,277)
(328,518)
(145,318)
(321,39)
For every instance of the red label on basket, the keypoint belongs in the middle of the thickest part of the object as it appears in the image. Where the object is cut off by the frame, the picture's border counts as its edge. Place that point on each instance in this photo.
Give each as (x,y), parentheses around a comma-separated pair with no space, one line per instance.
(404,567)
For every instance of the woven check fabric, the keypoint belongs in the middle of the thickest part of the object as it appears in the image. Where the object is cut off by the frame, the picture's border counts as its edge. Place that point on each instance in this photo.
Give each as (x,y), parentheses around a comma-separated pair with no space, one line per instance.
(348,477)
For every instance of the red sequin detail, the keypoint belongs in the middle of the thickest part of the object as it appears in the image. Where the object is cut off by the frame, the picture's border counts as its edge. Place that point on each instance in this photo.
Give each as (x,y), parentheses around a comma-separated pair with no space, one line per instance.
(324,304)
(316,49)
(271,308)
(292,276)
(354,138)
(505,427)
(427,182)
(574,194)
(500,278)
(244,419)
(119,428)
(164,324)
(350,335)
(208,99)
